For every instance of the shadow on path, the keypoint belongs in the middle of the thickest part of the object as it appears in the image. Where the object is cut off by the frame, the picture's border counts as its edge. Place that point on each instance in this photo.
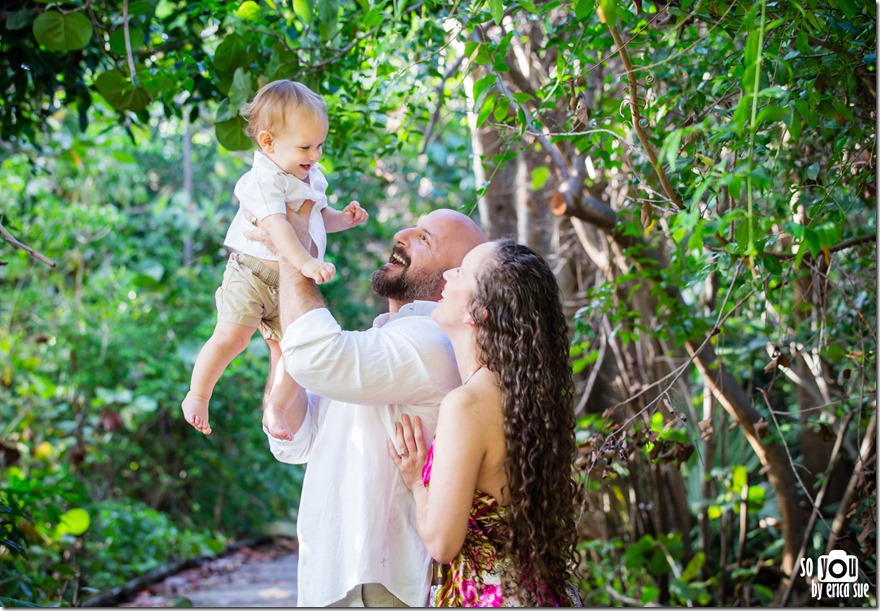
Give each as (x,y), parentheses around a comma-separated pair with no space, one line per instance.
(263,576)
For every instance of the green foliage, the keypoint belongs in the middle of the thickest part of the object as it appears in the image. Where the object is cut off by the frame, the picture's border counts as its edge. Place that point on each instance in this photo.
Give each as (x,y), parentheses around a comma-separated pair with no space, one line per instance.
(762,247)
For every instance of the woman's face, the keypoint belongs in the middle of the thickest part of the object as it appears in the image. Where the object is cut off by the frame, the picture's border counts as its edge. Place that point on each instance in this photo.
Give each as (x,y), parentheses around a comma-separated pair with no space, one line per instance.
(453,309)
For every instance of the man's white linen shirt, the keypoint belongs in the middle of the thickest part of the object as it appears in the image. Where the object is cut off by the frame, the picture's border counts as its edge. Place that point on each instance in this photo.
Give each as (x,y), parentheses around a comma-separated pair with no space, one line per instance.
(357,519)
(266,189)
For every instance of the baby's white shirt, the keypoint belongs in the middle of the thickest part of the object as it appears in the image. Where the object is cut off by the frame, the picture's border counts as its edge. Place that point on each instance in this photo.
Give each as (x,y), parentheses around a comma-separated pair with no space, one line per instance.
(267,189)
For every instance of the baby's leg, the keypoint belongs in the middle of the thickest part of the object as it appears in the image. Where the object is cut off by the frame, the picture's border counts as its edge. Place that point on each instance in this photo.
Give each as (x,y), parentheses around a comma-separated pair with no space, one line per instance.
(227,342)
(281,395)
(275,359)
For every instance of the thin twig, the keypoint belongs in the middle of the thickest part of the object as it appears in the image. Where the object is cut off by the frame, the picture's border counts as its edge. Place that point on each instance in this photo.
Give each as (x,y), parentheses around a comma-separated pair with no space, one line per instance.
(832,464)
(640,132)
(35,254)
(128,53)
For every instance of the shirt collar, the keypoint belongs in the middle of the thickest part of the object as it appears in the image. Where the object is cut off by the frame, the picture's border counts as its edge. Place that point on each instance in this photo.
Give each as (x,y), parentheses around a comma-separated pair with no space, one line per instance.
(416,308)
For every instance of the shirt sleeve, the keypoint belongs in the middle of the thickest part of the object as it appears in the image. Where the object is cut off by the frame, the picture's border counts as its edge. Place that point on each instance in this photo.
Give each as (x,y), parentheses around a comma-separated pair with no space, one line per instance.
(297,451)
(402,362)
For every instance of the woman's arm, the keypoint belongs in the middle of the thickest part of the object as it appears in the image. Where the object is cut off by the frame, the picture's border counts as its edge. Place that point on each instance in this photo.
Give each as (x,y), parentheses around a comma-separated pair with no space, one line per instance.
(459,447)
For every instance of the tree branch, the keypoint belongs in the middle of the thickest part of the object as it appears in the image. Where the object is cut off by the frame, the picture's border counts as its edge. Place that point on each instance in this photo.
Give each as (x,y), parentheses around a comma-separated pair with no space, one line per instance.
(35,254)
(634,108)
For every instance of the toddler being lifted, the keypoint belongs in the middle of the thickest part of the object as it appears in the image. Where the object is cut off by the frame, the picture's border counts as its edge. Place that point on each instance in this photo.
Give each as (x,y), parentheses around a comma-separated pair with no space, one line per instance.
(288,122)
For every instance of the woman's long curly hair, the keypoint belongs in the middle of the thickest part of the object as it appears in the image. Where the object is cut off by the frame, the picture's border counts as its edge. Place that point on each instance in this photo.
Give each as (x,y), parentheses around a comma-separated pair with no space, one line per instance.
(522,336)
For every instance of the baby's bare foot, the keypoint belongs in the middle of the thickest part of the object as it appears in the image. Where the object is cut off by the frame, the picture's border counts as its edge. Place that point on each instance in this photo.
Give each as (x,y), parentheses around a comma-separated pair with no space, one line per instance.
(276,424)
(195,411)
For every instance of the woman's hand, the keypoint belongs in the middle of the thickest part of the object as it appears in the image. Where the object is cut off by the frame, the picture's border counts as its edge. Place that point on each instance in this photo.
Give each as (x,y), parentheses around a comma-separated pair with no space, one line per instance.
(410,453)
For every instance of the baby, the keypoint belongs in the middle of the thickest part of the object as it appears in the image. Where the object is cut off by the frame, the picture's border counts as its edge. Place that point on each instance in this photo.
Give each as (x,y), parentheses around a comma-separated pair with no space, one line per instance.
(288,122)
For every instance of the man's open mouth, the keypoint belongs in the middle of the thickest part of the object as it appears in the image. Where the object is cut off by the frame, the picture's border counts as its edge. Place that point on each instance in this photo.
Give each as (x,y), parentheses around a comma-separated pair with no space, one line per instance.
(398,258)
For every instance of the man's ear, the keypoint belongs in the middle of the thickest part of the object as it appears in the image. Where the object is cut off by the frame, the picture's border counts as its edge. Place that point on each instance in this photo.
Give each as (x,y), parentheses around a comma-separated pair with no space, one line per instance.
(266,141)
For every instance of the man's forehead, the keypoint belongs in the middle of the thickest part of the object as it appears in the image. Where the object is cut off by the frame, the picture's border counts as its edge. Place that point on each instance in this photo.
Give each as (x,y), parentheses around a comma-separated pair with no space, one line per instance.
(430,225)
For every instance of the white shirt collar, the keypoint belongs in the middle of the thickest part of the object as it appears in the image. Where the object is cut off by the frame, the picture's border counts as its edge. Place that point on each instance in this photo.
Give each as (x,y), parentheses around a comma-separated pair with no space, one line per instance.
(416,308)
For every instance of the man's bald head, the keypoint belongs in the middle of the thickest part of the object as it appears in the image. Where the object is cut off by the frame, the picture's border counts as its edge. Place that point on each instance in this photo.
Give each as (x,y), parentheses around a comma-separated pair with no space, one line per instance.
(422,253)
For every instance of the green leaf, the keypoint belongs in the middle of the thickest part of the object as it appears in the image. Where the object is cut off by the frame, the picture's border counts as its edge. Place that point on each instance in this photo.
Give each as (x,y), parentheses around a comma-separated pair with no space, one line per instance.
(303,10)
(740,479)
(693,567)
(813,170)
(231,54)
(608,12)
(328,19)
(502,108)
(483,85)
(771,114)
(649,594)
(74,522)
(755,500)
(486,110)
(772,265)
(117,89)
(672,144)
(241,89)
(230,134)
(249,10)
(795,123)
(497,10)
(583,9)
(62,32)
(539,177)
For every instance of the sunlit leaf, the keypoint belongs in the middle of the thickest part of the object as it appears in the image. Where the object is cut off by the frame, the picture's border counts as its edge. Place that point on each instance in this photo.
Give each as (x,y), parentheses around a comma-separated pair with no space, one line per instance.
(62,31)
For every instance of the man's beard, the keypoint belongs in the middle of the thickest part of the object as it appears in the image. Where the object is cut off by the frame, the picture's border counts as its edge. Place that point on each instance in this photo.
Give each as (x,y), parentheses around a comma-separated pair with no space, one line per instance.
(407,285)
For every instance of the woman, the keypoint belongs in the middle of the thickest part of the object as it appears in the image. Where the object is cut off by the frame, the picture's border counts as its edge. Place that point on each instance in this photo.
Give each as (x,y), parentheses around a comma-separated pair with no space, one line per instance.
(493,492)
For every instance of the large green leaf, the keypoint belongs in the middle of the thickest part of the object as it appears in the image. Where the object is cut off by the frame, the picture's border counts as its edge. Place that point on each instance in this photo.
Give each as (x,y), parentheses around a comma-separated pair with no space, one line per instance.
(62,32)
(231,134)
(231,54)
(118,90)
(328,18)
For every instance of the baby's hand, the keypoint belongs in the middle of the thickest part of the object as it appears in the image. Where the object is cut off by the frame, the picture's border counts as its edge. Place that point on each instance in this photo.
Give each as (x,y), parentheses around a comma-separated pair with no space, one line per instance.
(319,271)
(353,214)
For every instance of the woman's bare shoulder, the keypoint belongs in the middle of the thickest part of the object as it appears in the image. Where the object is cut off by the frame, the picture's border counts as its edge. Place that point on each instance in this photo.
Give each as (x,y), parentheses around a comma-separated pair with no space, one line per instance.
(475,400)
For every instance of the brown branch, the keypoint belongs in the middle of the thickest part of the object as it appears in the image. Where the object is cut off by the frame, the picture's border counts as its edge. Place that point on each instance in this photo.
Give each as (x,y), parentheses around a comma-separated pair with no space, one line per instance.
(634,108)
(865,452)
(435,116)
(35,254)
(849,243)
(731,396)
(820,497)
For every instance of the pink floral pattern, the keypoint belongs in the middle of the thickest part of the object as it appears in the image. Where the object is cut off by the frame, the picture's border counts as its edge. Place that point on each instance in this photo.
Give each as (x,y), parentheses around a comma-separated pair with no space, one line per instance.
(473,578)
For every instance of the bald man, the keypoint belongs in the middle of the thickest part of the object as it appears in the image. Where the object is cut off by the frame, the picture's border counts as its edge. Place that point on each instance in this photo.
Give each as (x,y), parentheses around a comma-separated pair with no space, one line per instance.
(358,540)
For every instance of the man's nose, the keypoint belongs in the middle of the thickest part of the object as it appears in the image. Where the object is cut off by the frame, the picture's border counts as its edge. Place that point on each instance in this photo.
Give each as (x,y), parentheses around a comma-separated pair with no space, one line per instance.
(400,236)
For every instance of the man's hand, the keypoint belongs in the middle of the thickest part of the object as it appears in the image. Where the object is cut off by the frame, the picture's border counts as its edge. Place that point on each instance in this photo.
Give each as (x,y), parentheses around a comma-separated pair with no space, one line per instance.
(258,234)
(353,214)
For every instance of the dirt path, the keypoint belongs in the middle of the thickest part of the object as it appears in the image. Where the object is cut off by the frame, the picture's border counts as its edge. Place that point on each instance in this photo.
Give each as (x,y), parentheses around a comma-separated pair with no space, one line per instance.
(263,576)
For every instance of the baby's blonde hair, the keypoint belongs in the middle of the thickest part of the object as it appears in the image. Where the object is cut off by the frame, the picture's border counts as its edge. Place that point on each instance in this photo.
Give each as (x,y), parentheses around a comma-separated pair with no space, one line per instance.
(268,110)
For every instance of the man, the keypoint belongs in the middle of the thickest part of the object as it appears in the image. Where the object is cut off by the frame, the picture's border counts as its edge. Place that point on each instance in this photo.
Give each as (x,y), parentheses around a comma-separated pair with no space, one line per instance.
(359,544)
